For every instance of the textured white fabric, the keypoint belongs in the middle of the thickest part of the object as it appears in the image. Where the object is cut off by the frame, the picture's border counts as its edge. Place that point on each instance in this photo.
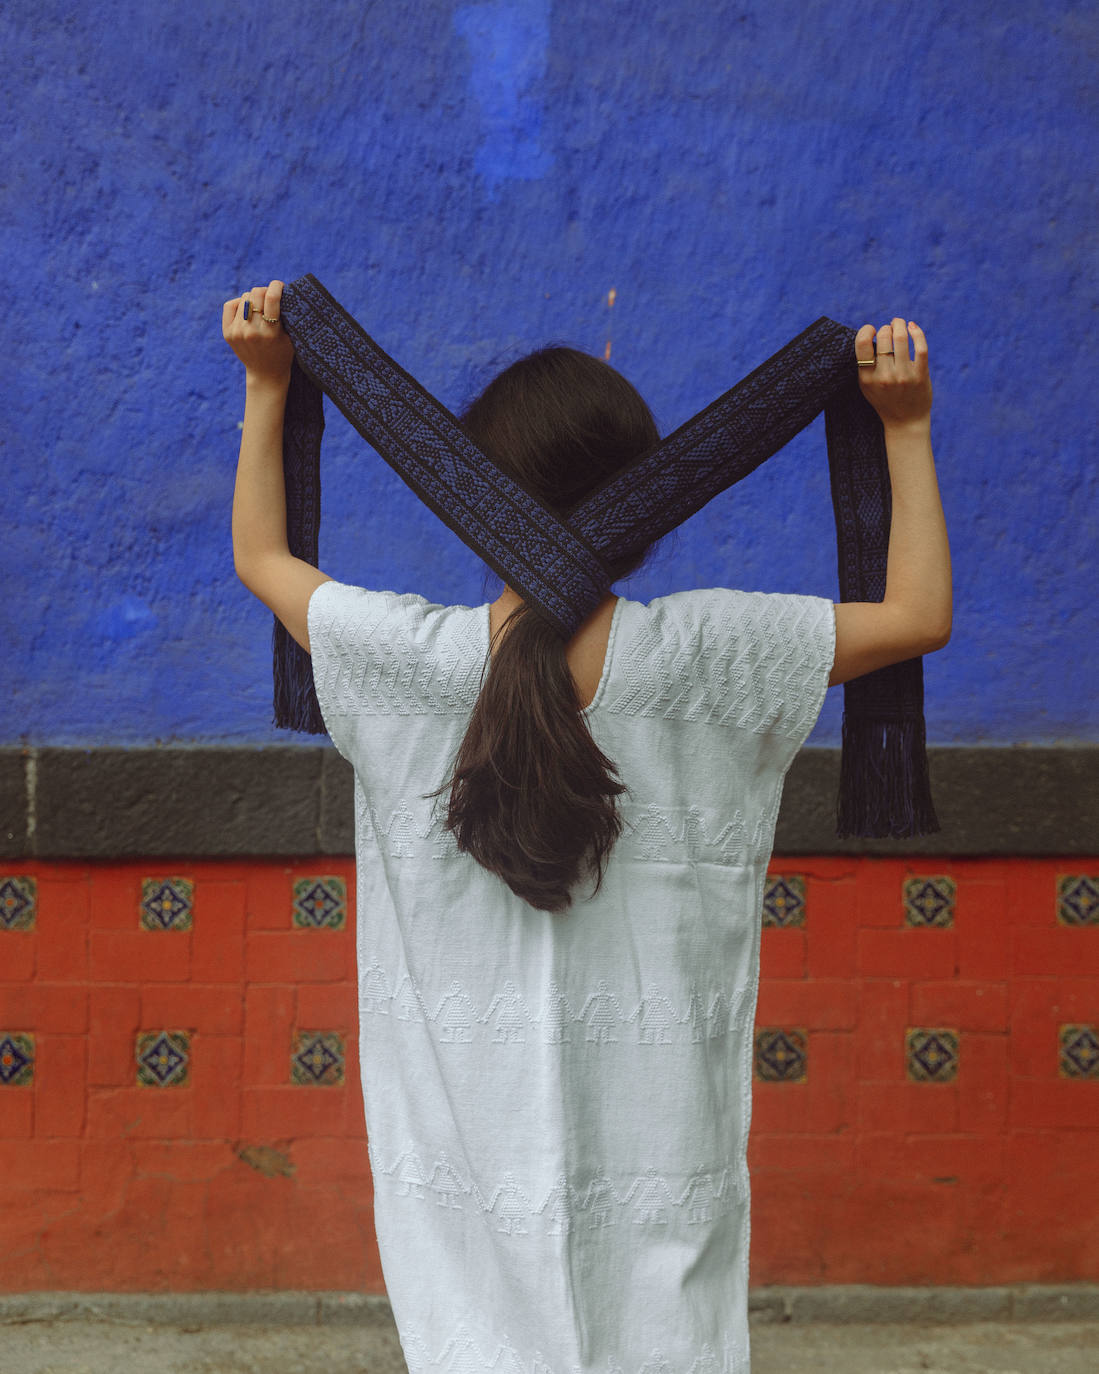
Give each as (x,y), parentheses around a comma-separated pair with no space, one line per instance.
(557,1107)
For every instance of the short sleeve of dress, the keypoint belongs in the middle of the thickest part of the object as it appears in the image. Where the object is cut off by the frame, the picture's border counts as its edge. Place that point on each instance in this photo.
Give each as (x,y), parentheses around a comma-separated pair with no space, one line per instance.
(341,620)
(767,657)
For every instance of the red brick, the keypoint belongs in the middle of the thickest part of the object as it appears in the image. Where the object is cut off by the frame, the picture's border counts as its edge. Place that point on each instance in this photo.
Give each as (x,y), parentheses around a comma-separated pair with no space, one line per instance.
(115,897)
(957,1160)
(906,1107)
(782,953)
(216,1065)
(833,1153)
(50,1166)
(880,899)
(114,1015)
(298,956)
(177,1160)
(1064,1104)
(270,897)
(882,1008)
(16,1114)
(268,1024)
(41,1007)
(106,1170)
(217,944)
(60,1085)
(1056,951)
(331,1005)
(63,921)
(140,956)
(966,1005)
(140,1113)
(910,953)
(17,966)
(339,1160)
(814,1003)
(293,1112)
(983,930)
(1031,893)
(831,926)
(217,1010)
(984,1089)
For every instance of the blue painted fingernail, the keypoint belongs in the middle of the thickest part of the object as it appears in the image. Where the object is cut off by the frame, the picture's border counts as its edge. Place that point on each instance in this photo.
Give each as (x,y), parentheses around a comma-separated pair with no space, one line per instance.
(247,308)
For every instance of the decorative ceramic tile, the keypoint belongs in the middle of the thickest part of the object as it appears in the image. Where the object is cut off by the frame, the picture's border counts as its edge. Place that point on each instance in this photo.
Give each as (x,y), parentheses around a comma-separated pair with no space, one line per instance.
(782,1056)
(932,1055)
(163,1059)
(1078,900)
(929,901)
(18,903)
(1079,1052)
(167,903)
(316,1058)
(16,1059)
(320,903)
(784,901)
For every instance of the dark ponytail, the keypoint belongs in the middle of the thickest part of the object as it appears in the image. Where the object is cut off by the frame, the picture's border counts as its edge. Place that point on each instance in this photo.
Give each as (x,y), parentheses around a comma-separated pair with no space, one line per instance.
(532,797)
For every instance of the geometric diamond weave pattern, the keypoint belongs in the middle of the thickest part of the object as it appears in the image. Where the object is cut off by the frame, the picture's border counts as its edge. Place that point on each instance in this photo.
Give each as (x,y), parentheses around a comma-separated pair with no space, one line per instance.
(932,1055)
(320,903)
(18,900)
(163,1058)
(929,901)
(316,1058)
(167,903)
(1079,1052)
(784,901)
(16,1059)
(1078,900)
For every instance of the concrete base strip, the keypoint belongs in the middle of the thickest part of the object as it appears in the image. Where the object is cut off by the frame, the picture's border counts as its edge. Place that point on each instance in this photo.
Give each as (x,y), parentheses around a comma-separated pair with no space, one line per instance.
(853,1303)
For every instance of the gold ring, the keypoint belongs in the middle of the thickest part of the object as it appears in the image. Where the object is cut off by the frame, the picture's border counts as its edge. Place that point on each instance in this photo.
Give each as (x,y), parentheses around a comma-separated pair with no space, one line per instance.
(866,362)
(267,319)
(885,353)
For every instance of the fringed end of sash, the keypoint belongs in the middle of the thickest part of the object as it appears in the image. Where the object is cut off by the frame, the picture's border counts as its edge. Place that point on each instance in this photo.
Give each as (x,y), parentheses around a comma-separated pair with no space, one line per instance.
(296,705)
(885,790)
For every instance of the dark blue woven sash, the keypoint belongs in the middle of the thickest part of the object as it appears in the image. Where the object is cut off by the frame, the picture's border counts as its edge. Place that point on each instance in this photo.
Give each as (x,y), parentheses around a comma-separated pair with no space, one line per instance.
(561,566)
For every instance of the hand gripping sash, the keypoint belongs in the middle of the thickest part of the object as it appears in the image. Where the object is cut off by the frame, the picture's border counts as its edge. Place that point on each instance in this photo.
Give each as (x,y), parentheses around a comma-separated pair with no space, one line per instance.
(561,567)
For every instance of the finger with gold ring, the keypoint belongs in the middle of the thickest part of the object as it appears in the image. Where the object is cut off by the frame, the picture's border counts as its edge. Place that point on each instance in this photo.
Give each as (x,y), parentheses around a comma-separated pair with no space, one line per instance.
(268,320)
(866,362)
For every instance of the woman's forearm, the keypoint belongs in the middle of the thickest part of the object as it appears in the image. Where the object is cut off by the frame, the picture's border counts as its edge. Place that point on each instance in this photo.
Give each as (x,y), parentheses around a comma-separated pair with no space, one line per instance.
(918,578)
(259,499)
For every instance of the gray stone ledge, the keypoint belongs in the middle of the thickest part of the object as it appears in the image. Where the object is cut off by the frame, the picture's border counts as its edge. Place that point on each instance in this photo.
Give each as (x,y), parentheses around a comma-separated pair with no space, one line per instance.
(841,1304)
(223,802)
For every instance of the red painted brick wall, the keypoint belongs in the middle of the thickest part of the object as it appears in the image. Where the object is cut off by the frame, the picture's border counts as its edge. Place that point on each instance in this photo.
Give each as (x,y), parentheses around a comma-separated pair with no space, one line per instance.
(926,1105)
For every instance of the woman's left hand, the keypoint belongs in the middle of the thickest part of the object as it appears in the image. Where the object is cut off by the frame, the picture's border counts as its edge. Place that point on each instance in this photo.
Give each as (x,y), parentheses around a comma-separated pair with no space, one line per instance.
(259,341)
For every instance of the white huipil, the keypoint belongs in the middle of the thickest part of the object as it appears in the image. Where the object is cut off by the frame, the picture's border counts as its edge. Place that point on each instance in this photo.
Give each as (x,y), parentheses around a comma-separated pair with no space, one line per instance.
(557,1106)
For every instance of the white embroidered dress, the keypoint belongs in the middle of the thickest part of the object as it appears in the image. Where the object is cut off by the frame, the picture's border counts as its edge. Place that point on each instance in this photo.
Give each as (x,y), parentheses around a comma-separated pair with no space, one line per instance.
(557,1107)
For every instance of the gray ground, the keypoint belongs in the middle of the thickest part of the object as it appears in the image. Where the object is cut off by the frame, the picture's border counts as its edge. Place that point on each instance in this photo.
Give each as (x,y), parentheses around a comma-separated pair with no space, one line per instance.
(67,1346)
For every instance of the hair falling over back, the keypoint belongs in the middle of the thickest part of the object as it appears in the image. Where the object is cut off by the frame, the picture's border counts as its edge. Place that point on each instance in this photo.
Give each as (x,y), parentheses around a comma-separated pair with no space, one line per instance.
(532,797)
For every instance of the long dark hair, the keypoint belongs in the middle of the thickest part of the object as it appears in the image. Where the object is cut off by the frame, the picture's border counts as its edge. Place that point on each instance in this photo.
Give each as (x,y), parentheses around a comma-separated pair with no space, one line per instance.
(532,796)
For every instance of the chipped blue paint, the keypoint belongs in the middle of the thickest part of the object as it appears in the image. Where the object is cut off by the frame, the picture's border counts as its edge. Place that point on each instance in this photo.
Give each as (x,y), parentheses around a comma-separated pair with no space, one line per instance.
(472,181)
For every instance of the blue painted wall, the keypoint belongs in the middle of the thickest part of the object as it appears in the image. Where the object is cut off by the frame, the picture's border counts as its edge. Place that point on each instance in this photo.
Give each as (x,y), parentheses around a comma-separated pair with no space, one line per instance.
(472,180)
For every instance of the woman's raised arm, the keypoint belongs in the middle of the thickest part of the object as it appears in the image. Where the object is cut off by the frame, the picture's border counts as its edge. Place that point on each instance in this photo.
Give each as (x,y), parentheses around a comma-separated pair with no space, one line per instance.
(261,556)
(915,616)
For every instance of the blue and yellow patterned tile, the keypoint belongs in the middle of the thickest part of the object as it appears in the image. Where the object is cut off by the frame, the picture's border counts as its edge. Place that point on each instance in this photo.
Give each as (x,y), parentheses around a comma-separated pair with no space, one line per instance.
(163,1059)
(1079,1052)
(782,1055)
(320,903)
(18,902)
(16,1059)
(317,1058)
(784,900)
(931,1055)
(929,901)
(1077,899)
(167,903)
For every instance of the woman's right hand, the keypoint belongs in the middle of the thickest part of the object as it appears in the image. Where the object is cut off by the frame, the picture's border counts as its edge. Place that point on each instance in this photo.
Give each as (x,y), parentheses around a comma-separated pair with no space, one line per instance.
(897,386)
